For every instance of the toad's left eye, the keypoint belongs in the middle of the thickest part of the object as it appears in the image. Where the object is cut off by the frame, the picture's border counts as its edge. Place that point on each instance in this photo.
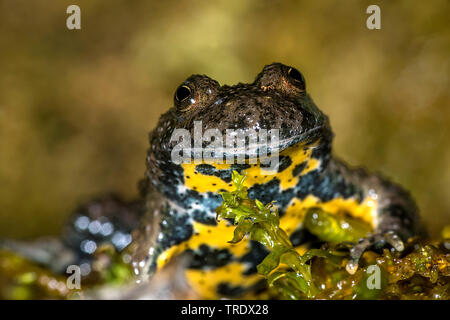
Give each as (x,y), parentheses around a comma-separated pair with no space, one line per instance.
(296,77)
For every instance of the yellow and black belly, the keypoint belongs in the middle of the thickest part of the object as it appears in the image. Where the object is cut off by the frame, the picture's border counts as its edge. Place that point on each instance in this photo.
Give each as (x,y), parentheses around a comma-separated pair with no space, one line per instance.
(219,268)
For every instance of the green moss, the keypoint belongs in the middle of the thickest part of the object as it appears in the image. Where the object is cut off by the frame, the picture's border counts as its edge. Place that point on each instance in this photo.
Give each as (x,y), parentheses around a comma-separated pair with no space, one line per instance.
(333,228)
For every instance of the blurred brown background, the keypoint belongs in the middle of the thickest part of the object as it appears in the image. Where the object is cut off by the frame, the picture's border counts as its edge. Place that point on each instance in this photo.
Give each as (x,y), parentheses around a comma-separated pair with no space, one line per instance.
(76,106)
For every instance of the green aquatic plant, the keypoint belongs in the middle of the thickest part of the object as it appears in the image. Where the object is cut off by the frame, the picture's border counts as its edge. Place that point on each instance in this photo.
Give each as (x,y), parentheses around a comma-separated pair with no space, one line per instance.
(284,268)
(335,228)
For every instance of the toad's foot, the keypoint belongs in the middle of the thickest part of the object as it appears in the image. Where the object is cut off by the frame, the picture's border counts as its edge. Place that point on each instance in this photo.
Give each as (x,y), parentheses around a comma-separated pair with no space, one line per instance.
(376,240)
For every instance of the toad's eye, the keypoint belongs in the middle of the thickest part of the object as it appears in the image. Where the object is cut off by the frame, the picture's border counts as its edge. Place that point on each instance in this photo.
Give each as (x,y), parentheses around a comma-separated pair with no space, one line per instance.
(183,92)
(184,97)
(196,92)
(296,77)
(282,78)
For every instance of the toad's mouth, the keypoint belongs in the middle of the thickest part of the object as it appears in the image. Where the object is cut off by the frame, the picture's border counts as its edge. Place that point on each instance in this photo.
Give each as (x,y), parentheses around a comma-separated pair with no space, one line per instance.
(244,147)
(305,138)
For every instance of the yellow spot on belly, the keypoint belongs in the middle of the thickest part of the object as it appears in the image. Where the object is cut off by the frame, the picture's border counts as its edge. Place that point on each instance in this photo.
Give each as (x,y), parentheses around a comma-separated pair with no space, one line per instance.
(165,257)
(205,282)
(216,237)
(298,154)
(204,183)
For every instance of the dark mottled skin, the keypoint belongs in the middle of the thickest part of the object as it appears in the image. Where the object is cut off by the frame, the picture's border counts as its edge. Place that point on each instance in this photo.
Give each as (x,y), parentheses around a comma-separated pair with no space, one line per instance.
(276,99)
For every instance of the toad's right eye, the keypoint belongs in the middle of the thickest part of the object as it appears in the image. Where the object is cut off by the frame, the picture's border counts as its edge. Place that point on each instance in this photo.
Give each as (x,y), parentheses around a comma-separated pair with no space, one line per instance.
(196,92)
(183,92)
(184,98)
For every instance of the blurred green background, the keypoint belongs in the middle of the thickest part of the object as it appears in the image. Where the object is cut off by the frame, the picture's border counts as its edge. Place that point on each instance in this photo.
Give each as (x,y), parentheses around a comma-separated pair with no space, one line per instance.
(76,106)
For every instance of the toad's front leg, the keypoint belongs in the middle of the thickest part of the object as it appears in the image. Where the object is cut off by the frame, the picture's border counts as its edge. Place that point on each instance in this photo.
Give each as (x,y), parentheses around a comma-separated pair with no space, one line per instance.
(395,218)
